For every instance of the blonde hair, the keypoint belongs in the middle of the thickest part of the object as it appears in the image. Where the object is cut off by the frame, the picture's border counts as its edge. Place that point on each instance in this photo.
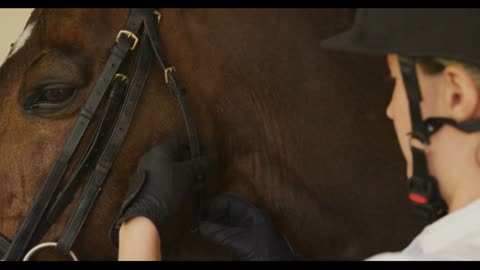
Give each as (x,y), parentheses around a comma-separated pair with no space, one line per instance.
(435,65)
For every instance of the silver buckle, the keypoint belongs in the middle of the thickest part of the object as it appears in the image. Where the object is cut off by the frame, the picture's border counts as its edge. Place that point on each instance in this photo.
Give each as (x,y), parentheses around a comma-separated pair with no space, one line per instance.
(38,247)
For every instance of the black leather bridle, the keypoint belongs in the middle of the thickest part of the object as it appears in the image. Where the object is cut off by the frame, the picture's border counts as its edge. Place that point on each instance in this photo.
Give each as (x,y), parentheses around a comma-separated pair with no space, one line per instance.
(140,34)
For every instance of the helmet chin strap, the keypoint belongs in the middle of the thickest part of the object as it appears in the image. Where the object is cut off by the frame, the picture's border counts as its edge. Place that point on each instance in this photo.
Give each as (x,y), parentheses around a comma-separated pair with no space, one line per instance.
(423,188)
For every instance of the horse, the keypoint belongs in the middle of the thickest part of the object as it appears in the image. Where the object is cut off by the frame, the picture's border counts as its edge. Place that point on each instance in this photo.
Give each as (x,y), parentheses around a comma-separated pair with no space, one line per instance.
(296,129)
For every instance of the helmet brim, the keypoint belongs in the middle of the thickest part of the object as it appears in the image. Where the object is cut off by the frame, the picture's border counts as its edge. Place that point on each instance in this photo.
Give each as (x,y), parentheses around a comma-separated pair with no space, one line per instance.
(346,42)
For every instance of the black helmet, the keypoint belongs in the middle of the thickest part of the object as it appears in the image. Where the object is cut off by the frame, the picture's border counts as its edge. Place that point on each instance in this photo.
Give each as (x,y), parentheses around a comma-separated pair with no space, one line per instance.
(446,33)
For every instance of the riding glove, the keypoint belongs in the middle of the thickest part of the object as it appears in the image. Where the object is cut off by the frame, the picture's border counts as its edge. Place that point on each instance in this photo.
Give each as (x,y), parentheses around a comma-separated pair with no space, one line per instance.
(248,231)
(163,176)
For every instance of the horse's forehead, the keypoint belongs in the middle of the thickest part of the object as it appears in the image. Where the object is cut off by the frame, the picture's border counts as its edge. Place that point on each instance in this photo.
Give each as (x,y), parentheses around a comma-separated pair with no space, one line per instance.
(72,27)
(21,40)
(22,18)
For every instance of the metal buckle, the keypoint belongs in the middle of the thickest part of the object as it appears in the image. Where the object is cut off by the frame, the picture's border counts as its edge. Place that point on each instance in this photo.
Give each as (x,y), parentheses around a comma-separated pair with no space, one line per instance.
(168,70)
(46,245)
(159,15)
(129,35)
(122,76)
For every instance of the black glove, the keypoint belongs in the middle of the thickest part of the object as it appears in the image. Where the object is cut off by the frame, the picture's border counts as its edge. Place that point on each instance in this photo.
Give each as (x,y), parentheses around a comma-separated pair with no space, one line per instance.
(163,176)
(240,226)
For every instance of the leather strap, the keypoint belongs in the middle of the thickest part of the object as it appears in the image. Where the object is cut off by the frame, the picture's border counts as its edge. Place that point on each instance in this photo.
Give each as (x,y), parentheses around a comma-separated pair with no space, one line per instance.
(4,244)
(22,239)
(102,133)
(176,87)
(178,90)
(102,169)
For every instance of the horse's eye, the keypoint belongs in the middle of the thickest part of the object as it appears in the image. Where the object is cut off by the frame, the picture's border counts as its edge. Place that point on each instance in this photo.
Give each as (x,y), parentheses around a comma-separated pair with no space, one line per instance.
(50,97)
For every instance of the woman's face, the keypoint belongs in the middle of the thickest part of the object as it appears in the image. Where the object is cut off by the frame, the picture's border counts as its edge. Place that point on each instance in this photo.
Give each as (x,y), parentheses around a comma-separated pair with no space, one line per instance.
(398,108)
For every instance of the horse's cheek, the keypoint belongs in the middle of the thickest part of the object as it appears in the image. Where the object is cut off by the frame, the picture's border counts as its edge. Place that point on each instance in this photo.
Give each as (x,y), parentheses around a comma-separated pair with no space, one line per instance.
(24,164)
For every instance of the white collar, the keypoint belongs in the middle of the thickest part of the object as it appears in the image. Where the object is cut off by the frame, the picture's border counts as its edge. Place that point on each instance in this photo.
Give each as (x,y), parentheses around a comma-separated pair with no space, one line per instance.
(452,227)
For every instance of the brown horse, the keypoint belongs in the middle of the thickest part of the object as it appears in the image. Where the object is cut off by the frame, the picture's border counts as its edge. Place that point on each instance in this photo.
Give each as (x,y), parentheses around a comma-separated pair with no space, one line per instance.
(296,129)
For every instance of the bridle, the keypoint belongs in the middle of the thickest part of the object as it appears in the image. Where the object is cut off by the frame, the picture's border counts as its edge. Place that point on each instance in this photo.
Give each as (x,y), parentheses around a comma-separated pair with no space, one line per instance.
(140,34)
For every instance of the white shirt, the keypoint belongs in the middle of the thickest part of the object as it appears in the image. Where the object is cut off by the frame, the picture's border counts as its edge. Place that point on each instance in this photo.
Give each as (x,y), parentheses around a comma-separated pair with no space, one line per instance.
(455,236)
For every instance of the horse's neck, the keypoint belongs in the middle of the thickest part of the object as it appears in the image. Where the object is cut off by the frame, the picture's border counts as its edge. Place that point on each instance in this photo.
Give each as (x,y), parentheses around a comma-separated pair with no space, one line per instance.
(242,70)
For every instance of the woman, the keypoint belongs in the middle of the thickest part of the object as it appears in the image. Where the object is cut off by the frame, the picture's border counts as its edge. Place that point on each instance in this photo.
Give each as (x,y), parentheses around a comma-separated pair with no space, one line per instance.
(433,56)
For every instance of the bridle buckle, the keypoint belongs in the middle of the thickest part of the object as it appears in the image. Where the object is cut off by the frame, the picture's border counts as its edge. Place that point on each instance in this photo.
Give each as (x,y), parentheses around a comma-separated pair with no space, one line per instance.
(169,70)
(129,35)
(123,77)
